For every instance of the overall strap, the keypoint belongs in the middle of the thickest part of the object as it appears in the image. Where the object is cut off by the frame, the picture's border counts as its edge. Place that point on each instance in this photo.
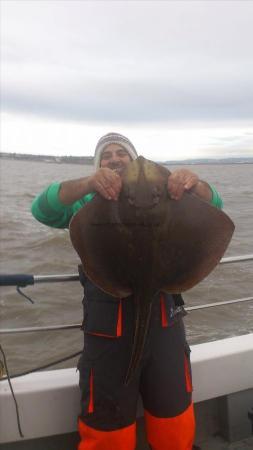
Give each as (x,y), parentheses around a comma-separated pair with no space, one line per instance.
(178,299)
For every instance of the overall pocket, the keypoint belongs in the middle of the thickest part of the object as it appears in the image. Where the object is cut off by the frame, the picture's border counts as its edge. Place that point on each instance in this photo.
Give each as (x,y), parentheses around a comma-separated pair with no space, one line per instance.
(103,318)
(102,312)
(102,322)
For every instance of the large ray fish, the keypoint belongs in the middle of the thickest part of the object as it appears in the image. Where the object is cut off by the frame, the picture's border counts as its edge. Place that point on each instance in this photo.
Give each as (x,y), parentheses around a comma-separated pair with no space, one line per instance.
(145,242)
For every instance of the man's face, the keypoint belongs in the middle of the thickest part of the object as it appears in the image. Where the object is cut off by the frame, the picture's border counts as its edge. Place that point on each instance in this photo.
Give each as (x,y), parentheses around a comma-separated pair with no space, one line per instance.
(115,157)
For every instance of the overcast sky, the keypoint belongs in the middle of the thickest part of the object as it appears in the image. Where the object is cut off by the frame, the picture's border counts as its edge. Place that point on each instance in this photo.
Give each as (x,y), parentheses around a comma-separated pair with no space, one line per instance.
(176,77)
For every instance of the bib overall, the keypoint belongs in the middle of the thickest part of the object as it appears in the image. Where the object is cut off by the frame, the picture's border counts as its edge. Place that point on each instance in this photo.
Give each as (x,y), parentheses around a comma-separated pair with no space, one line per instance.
(163,379)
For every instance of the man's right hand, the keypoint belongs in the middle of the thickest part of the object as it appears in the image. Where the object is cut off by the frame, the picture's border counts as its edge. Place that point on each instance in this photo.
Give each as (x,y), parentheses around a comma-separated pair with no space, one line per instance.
(106,182)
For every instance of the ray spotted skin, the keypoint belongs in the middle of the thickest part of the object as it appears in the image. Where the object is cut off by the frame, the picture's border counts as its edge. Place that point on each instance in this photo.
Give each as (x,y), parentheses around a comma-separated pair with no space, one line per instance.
(146,242)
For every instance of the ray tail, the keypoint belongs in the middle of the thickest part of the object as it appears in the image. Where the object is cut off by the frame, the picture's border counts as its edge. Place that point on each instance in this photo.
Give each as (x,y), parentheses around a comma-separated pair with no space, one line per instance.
(142,320)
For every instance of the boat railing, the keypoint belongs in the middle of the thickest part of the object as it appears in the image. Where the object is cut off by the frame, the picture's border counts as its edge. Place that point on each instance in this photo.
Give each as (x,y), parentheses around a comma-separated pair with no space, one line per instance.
(23,280)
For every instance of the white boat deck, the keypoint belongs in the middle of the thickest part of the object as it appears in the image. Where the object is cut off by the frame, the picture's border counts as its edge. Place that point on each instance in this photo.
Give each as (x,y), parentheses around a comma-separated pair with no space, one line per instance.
(220,444)
(223,395)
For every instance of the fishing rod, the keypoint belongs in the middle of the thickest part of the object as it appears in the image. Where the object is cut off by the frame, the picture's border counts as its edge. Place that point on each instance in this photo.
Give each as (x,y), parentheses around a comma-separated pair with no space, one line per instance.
(23,280)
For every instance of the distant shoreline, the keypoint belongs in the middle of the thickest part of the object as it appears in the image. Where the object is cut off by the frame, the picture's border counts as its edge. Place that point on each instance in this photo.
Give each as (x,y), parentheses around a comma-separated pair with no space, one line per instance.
(49,158)
(88,160)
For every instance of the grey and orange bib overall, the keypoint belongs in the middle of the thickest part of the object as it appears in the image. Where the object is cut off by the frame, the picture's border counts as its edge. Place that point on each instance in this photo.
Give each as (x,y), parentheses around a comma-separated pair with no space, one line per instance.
(108,407)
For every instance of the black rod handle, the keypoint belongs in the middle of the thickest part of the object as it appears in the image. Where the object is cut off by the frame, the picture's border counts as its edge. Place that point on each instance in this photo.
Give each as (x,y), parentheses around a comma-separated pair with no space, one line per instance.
(17,279)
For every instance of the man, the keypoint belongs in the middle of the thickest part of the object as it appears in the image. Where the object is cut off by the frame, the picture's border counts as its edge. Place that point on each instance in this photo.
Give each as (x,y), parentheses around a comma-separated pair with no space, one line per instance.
(108,407)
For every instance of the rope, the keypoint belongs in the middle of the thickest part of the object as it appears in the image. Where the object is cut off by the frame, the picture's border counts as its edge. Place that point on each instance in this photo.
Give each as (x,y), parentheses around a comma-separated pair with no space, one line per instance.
(12,392)
(24,295)
(8,377)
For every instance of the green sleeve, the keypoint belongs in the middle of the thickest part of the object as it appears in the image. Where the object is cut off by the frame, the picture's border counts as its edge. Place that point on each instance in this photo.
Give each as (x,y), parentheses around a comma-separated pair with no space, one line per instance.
(49,210)
(216,198)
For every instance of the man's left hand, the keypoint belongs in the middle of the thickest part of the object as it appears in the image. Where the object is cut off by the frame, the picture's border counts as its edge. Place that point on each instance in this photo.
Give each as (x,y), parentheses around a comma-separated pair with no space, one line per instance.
(181,180)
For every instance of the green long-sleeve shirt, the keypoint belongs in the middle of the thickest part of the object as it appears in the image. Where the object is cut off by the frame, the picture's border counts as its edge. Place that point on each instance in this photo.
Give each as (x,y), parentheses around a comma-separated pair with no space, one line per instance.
(48,209)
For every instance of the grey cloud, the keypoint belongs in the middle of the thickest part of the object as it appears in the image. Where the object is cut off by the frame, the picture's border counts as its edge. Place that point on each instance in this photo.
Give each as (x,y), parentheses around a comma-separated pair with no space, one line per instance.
(134,101)
(128,61)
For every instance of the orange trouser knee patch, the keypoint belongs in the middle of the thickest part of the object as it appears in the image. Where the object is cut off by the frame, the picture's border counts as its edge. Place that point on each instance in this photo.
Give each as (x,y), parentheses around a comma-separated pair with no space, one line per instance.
(92,439)
(174,433)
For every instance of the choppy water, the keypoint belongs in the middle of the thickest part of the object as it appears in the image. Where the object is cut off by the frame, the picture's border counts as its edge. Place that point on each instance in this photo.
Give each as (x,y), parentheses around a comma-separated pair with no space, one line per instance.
(30,247)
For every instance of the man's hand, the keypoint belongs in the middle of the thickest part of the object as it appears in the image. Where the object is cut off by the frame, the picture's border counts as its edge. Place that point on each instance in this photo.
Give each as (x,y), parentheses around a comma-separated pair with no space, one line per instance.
(107,183)
(181,180)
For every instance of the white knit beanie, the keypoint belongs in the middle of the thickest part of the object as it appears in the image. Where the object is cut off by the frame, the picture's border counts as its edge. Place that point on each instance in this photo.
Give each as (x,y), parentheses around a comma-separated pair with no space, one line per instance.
(113,138)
